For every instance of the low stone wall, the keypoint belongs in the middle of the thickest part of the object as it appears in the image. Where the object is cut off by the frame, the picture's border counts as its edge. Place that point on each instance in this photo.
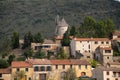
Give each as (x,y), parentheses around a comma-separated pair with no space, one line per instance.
(116,58)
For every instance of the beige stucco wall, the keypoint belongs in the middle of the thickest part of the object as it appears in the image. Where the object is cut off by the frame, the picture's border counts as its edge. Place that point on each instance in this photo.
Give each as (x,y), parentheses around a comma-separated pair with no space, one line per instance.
(6,77)
(28,74)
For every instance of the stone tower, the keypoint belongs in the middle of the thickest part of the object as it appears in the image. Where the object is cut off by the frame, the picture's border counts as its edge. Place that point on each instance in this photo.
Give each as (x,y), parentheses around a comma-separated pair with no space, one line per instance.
(61,26)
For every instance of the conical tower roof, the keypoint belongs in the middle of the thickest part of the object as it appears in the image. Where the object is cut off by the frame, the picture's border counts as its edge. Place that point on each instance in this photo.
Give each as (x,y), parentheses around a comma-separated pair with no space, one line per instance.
(62,23)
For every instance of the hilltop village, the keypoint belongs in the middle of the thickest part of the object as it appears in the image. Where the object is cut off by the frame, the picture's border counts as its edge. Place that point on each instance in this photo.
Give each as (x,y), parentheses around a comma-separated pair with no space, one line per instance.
(66,57)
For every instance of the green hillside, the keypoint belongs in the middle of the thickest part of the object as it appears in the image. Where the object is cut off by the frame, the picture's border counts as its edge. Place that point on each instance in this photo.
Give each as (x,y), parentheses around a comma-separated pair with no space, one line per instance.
(39,15)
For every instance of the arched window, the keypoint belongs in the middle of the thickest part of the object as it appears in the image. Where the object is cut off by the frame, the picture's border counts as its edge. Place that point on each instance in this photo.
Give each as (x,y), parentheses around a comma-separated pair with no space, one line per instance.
(36,68)
(83,74)
(42,68)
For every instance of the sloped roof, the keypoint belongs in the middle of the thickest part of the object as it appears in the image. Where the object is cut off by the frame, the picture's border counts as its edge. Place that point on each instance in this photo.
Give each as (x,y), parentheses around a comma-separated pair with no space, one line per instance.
(106,48)
(117,33)
(39,61)
(91,39)
(46,41)
(69,62)
(5,71)
(114,69)
(20,64)
(114,63)
(62,23)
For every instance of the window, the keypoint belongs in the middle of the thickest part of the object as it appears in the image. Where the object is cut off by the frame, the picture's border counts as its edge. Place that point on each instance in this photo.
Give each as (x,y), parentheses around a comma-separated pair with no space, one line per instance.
(108,79)
(48,68)
(26,69)
(107,51)
(88,41)
(119,74)
(70,66)
(42,68)
(102,42)
(96,42)
(63,66)
(107,57)
(107,73)
(0,75)
(18,69)
(116,78)
(85,66)
(89,46)
(88,56)
(107,42)
(15,78)
(79,66)
(29,78)
(36,68)
(114,74)
(56,66)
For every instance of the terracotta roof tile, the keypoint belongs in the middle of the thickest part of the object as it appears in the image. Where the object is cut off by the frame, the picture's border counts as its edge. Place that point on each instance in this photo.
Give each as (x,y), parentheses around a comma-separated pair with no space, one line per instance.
(106,48)
(5,71)
(46,41)
(69,62)
(20,64)
(39,61)
(117,33)
(91,39)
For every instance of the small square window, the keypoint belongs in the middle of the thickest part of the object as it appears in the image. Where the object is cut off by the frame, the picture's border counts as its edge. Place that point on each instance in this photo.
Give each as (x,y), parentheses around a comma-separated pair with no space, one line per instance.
(102,42)
(96,42)
(56,66)
(107,42)
(79,66)
(88,56)
(107,73)
(63,66)
(70,66)
(29,78)
(107,57)
(85,66)
(108,79)
(18,69)
(26,69)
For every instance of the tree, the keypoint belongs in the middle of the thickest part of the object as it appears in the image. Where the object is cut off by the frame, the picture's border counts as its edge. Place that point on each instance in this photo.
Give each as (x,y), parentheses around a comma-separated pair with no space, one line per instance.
(94,63)
(28,38)
(70,75)
(3,63)
(15,40)
(11,58)
(19,75)
(40,54)
(38,38)
(66,40)
(61,54)
(28,53)
(72,31)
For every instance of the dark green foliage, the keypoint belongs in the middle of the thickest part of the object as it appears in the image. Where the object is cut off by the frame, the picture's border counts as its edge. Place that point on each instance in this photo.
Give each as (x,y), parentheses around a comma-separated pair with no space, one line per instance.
(11,58)
(94,63)
(61,54)
(72,31)
(39,15)
(92,28)
(66,40)
(4,54)
(38,38)
(3,63)
(28,53)
(15,40)
(28,38)
(40,54)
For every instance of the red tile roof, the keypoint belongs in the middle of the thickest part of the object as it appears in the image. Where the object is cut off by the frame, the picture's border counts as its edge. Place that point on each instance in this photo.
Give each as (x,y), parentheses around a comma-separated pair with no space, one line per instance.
(106,48)
(20,64)
(91,39)
(57,62)
(5,71)
(39,61)
(117,33)
(69,62)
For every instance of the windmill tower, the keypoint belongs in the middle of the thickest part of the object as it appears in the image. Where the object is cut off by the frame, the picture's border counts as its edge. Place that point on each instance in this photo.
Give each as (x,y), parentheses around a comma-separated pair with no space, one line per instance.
(61,26)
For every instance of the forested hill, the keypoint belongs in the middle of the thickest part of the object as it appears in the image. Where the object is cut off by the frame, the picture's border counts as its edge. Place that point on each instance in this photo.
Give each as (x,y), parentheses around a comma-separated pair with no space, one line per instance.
(39,15)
